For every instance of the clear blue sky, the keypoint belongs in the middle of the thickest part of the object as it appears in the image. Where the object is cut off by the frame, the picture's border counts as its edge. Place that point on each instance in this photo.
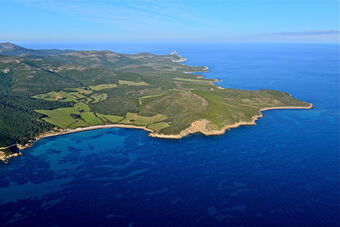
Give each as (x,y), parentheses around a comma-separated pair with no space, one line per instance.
(176,20)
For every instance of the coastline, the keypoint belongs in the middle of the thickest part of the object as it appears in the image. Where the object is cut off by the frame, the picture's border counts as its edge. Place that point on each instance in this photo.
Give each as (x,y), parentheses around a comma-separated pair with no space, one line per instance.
(198,126)
(69,131)
(4,158)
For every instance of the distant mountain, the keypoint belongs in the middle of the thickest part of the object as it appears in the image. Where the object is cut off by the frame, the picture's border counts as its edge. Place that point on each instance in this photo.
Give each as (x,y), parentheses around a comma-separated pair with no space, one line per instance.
(104,58)
(11,49)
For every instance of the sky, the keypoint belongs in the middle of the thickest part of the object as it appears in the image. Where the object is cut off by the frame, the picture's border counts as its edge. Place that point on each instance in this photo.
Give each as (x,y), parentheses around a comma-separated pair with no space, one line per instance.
(169,21)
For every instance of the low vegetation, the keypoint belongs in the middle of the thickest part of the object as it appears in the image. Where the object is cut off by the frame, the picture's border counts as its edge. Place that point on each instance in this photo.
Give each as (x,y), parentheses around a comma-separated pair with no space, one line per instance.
(49,89)
(132,83)
(102,87)
(133,118)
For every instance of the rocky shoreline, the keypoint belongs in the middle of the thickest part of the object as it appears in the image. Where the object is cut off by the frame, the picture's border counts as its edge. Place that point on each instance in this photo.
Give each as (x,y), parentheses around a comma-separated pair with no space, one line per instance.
(199,126)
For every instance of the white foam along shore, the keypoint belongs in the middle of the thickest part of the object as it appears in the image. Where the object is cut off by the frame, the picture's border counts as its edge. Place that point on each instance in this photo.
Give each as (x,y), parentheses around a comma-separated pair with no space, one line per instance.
(199,126)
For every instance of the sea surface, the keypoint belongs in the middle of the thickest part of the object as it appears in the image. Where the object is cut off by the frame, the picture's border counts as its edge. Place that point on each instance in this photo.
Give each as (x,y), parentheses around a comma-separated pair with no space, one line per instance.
(282,172)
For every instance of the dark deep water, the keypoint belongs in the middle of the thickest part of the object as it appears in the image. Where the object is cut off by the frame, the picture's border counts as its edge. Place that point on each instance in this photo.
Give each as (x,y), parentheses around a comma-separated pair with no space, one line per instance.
(282,172)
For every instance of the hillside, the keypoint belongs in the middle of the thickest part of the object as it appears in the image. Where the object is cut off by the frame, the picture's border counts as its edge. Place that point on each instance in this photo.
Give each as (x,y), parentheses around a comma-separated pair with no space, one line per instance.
(11,49)
(44,90)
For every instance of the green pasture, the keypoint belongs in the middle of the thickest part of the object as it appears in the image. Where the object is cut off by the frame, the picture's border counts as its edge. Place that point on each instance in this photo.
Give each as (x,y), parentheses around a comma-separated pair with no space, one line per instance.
(132,83)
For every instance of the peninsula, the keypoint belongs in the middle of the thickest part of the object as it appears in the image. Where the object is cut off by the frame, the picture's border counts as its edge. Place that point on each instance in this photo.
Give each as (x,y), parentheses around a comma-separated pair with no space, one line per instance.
(51,92)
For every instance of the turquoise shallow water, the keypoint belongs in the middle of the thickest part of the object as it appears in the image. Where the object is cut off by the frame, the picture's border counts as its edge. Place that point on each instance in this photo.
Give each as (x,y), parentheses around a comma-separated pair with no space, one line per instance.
(282,172)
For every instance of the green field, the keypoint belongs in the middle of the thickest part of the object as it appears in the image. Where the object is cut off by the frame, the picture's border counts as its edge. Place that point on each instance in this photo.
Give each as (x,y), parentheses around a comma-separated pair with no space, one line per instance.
(57,96)
(133,118)
(100,87)
(81,90)
(82,107)
(60,117)
(91,118)
(158,126)
(98,97)
(62,96)
(150,96)
(79,124)
(132,83)
(194,80)
(109,118)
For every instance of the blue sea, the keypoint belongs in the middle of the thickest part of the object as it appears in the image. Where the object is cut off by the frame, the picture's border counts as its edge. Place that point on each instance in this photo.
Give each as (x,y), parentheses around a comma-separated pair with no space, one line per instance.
(284,171)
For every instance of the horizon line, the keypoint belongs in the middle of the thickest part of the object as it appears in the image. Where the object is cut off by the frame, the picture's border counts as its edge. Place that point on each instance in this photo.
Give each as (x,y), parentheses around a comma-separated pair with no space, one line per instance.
(170,41)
